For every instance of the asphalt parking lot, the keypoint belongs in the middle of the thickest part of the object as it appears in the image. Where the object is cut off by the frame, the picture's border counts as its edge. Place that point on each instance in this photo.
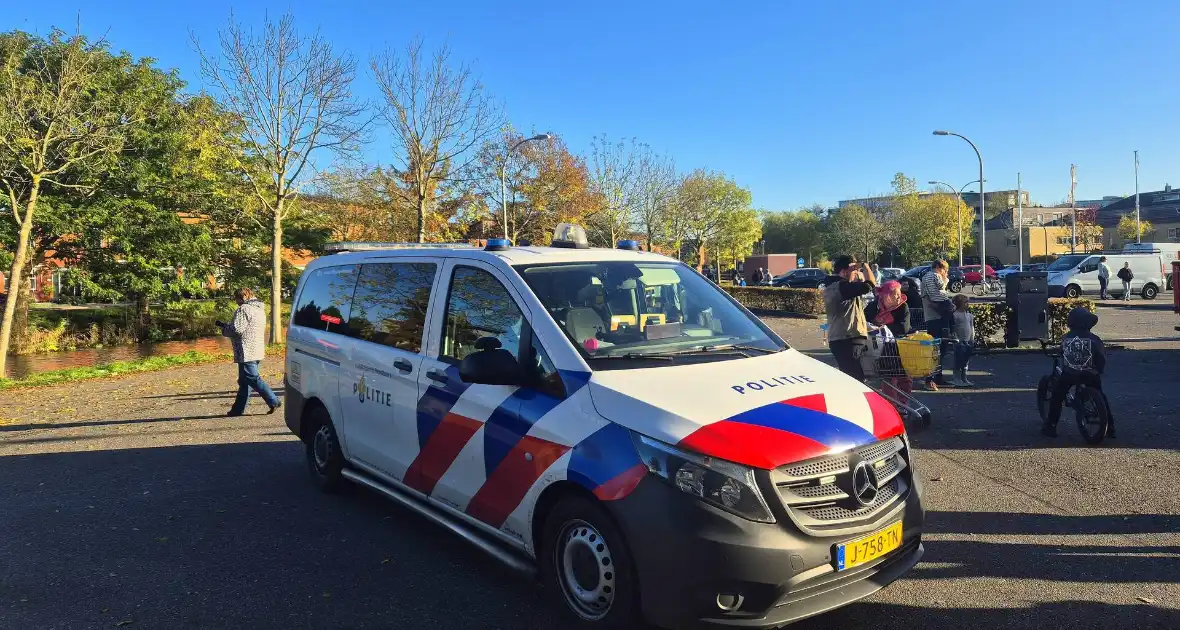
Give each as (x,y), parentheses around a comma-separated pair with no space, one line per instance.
(136,503)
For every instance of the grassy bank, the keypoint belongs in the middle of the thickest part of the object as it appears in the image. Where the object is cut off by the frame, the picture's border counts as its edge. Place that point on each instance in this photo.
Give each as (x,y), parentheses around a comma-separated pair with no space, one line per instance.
(124,368)
(63,329)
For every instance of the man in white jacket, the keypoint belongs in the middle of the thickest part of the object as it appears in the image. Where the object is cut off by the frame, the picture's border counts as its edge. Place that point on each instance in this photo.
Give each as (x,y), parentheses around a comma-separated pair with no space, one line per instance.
(247,331)
(1103,279)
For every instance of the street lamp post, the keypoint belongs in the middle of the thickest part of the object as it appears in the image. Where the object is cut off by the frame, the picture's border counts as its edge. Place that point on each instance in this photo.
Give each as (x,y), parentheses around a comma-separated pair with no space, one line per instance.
(982,201)
(958,210)
(503,175)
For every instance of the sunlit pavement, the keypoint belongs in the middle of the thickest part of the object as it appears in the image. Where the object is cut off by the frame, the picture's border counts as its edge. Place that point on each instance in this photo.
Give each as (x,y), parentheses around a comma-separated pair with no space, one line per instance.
(138,501)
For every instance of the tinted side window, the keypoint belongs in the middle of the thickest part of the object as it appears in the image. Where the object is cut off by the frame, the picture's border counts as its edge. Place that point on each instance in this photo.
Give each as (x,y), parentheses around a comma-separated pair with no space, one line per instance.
(389,305)
(479,306)
(325,299)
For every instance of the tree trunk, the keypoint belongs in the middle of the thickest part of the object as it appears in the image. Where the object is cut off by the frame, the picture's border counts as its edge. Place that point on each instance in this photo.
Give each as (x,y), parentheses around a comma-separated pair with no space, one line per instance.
(421,218)
(276,277)
(701,255)
(143,318)
(16,274)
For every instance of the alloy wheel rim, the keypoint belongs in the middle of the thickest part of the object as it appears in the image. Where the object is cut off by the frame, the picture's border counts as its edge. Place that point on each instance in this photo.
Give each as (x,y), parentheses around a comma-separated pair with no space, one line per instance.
(585,570)
(322,447)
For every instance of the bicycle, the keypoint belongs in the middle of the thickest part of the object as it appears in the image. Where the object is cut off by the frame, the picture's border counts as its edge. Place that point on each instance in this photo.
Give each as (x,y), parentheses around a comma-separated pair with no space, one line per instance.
(1091,408)
(990,286)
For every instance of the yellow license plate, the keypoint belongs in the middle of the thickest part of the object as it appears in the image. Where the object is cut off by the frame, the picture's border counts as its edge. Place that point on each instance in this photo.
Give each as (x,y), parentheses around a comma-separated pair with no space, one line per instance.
(868,548)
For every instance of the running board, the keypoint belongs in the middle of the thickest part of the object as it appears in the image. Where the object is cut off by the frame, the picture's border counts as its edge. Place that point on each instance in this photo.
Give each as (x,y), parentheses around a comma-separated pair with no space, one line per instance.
(464,531)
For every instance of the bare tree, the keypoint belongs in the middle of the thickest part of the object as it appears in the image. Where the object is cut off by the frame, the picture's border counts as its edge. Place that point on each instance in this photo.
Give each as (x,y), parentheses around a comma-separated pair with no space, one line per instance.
(614,169)
(439,114)
(293,96)
(655,188)
(57,124)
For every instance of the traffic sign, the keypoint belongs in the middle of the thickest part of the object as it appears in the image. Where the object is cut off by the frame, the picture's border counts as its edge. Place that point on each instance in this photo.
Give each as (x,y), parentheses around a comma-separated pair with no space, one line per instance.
(801,262)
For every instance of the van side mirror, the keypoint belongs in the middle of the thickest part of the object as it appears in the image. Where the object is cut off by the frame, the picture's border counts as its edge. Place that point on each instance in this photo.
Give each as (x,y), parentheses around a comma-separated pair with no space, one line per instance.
(490,365)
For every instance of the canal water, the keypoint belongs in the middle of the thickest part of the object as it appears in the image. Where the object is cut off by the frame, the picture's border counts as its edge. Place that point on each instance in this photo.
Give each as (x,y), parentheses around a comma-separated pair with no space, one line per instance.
(23,365)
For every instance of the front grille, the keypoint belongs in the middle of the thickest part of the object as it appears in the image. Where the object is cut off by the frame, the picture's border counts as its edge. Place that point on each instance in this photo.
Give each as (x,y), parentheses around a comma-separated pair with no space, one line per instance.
(813,492)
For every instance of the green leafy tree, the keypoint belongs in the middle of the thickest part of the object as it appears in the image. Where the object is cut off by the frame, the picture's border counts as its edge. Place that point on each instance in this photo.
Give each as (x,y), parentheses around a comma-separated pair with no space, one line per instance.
(1127,231)
(142,236)
(854,231)
(715,210)
(923,227)
(61,125)
(795,232)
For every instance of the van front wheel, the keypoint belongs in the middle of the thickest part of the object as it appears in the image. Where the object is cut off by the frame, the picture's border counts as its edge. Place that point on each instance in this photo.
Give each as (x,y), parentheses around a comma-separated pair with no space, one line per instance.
(1073,291)
(585,560)
(1150,291)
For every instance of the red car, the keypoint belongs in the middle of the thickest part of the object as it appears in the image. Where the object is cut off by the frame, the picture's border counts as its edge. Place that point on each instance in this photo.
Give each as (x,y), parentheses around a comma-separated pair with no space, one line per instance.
(971,274)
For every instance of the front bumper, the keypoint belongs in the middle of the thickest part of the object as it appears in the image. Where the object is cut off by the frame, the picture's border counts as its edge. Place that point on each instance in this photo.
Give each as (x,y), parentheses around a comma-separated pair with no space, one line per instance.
(687,553)
(1056,290)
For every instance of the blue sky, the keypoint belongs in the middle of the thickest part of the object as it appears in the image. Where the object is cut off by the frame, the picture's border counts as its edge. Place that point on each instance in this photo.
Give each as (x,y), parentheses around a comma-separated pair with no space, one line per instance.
(799,102)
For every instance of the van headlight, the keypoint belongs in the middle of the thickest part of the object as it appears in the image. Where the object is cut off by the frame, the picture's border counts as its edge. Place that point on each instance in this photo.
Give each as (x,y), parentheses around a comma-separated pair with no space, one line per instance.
(724,484)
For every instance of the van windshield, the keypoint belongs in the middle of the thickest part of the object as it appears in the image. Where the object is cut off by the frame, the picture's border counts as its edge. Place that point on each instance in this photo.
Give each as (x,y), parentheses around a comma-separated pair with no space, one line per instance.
(1066,263)
(626,309)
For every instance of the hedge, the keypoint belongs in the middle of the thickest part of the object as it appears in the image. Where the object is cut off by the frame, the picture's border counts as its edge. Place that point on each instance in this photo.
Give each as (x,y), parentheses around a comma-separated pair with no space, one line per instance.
(782,299)
(991,318)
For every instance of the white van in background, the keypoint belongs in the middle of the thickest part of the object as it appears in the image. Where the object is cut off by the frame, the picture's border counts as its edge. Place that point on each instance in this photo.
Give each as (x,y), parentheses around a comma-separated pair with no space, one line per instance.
(1074,275)
(1170,252)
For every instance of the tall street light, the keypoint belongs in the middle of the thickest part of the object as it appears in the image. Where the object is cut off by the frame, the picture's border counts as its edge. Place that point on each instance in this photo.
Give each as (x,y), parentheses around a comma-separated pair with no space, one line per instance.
(503,175)
(982,201)
(958,210)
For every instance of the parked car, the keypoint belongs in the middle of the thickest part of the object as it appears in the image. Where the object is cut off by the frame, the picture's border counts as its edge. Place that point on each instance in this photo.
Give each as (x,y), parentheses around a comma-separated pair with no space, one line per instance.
(891,273)
(1002,273)
(803,278)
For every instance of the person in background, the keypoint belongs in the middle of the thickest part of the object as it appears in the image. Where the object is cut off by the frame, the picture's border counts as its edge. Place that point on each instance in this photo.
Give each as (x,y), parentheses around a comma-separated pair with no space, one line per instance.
(937,308)
(758,276)
(844,302)
(963,328)
(913,295)
(765,276)
(247,330)
(890,310)
(1083,359)
(1103,279)
(1126,275)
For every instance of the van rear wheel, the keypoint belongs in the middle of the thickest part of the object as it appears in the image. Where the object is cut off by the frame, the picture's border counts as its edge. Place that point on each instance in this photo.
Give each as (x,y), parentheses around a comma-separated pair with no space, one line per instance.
(1150,291)
(325,460)
(584,559)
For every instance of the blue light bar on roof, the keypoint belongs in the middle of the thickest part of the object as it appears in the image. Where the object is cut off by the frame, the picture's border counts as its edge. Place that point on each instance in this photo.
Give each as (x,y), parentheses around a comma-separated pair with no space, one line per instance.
(628,244)
(497,245)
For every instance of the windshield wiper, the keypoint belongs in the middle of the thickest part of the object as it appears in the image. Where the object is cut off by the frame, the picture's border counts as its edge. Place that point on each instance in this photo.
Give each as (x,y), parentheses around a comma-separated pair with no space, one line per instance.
(741,347)
(636,356)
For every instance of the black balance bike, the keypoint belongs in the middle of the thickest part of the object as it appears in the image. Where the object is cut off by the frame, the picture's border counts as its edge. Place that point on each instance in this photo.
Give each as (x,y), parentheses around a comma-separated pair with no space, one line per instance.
(1089,404)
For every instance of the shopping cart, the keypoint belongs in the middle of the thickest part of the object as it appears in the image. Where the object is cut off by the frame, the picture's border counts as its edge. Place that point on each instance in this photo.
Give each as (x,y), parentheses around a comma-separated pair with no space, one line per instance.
(891,366)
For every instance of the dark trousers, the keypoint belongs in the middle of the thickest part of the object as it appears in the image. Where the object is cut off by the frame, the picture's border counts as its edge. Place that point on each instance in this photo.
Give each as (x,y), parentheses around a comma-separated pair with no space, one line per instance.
(248,378)
(1066,381)
(1102,284)
(940,329)
(848,353)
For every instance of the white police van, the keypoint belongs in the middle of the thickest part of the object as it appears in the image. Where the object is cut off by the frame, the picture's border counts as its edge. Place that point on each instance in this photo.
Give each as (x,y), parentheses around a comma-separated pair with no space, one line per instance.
(607,418)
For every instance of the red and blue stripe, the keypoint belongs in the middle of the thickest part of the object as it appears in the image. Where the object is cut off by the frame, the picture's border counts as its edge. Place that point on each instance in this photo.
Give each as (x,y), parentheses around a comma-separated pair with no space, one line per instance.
(790,431)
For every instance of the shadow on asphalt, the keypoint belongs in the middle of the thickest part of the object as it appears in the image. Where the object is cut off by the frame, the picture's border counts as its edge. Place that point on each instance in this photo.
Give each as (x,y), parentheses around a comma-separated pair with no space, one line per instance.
(210,395)
(97,423)
(1060,614)
(234,536)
